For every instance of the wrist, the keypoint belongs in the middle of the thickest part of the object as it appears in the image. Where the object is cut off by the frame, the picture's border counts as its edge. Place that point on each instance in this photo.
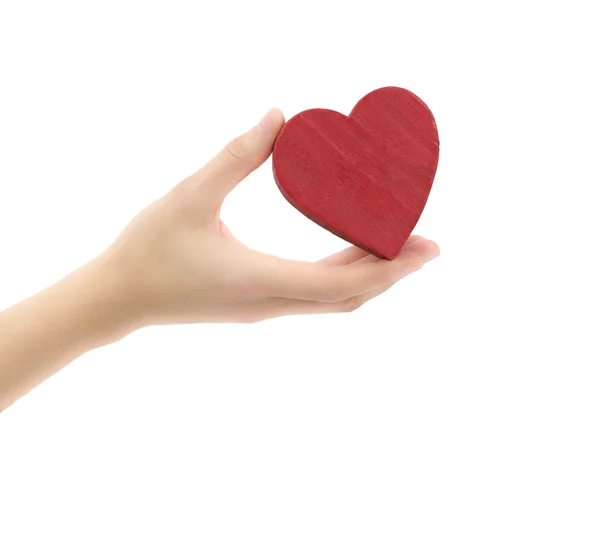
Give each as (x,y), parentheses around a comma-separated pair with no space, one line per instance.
(107,300)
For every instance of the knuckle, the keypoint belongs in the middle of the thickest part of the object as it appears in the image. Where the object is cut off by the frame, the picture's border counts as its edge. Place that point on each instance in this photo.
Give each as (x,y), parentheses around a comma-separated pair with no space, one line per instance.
(240,151)
(352,304)
(414,262)
(334,293)
(407,264)
(334,289)
(389,273)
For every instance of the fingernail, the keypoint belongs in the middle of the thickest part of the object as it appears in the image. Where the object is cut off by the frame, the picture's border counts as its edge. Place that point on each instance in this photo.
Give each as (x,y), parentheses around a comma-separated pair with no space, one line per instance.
(267,124)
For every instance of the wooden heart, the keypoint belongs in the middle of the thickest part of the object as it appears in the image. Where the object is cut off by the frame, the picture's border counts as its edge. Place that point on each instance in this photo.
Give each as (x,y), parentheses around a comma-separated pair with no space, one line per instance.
(365,177)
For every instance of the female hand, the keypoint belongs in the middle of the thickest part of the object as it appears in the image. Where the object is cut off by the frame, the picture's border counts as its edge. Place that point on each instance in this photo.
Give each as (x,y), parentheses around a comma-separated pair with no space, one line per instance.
(177,262)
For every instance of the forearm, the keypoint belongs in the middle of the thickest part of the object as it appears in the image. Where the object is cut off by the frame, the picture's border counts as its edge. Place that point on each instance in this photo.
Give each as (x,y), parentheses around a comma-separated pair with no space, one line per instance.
(51,329)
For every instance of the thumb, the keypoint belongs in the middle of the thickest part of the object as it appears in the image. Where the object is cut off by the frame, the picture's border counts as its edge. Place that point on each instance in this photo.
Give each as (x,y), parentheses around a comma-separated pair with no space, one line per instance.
(238,159)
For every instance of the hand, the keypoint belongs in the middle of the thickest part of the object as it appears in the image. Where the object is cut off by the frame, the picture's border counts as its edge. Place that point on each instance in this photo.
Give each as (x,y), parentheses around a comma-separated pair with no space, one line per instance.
(177,262)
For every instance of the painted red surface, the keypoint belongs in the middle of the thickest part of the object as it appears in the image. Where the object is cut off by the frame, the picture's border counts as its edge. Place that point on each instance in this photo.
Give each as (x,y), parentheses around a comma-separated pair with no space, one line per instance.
(365,177)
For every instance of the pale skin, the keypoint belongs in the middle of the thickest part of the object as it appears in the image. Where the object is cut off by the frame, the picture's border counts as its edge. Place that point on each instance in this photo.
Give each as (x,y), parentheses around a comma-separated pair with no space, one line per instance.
(177,262)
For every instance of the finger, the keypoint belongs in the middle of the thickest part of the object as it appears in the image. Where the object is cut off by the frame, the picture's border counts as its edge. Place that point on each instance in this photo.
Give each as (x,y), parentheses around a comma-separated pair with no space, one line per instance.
(427,249)
(353,254)
(412,239)
(325,283)
(279,307)
(276,307)
(344,257)
(236,161)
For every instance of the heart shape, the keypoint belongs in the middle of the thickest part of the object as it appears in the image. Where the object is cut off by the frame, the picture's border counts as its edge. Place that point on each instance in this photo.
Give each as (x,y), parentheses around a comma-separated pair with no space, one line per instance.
(365,177)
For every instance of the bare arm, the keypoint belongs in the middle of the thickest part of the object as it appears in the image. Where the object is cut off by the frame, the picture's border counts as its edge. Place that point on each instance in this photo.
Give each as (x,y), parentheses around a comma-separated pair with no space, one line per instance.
(51,329)
(176,262)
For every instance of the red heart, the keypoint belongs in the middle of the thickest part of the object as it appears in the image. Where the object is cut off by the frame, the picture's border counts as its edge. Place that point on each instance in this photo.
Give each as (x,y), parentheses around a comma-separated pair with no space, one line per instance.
(365,177)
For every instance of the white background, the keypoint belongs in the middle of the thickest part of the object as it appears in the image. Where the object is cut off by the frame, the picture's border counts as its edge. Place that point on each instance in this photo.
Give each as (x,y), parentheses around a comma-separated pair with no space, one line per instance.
(460,412)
